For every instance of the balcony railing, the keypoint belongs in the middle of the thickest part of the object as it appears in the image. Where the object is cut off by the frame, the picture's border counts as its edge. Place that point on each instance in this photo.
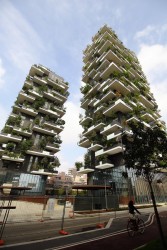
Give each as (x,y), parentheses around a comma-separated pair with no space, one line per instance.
(119,105)
(44,130)
(39,152)
(24,97)
(84,142)
(4,137)
(12,158)
(25,110)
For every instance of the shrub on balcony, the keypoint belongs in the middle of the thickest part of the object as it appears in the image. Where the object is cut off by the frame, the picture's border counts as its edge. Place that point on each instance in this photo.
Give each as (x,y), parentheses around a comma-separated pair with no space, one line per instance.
(39,102)
(42,143)
(42,89)
(7,130)
(36,121)
(10,146)
(25,145)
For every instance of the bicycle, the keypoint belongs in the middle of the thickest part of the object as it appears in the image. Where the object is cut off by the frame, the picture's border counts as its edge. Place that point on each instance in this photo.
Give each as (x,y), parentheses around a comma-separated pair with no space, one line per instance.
(135,225)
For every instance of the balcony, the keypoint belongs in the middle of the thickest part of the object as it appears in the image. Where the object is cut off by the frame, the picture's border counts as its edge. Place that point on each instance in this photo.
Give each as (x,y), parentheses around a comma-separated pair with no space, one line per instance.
(146,102)
(97,77)
(28,84)
(85,77)
(60,96)
(35,71)
(111,151)
(39,80)
(92,101)
(44,130)
(94,128)
(84,142)
(47,111)
(53,147)
(85,170)
(26,110)
(50,96)
(55,80)
(119,105)
(105,46)
(156,114)
(95,147)
(107,97)
(9,137)
(116,134)
(21,131)
(60,110)
(104,84)
(34,92)
(148,117)
(55,127)
(38,152)
(85,120)
(110,129)
(111,56)
(119,86)
(104,165)
(84,104)
(99,108)
(103,65)
(109,70)
(92,90)
(133,119)
(92,73)
(44,69)
(10,158)
(1,151)
(24,97)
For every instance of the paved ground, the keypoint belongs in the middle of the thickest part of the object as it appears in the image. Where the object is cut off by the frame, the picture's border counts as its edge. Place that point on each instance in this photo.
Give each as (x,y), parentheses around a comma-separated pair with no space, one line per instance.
(105,239)
(112,240)
(123,241)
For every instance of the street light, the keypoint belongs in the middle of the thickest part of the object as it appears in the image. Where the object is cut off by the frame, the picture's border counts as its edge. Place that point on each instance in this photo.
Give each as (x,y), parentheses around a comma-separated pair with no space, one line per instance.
(62,231)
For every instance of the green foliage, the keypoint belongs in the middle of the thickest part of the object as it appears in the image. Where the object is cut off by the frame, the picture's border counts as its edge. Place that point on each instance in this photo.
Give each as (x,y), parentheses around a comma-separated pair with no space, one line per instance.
(145,149)
(25,145)
(87,160)
(78,165)
(39,102)
(10,146)
(45,162)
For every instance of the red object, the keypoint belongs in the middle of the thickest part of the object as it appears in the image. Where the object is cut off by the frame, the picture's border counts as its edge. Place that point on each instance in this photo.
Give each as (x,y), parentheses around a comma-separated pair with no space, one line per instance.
(100,225)
(2,242)
(63,232)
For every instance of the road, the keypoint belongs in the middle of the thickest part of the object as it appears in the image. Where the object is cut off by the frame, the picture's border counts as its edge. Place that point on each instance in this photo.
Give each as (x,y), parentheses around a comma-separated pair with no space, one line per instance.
(23,232)
(93,239)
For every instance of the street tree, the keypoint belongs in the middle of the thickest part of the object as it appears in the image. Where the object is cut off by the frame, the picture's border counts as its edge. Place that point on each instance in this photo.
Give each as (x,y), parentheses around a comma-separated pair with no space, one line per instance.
(146,153)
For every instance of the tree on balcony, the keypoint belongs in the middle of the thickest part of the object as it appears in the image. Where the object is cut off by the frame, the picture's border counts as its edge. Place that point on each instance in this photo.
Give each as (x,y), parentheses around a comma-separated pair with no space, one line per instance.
(78,165)
(146,154)
(87,160)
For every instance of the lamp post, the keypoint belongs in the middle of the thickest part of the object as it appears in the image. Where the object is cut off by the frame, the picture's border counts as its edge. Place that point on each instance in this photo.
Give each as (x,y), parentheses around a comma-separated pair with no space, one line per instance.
(62,231)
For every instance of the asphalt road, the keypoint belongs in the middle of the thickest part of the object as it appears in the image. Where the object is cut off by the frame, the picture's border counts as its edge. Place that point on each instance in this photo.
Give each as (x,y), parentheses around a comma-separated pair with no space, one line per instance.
(108,238)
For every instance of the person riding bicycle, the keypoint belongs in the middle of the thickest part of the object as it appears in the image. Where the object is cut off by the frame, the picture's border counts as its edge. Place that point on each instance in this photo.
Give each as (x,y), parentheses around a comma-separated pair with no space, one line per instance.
(132,214)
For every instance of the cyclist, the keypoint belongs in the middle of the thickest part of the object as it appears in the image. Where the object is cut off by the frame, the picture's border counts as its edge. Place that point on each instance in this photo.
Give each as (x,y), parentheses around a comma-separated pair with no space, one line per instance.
(132,214)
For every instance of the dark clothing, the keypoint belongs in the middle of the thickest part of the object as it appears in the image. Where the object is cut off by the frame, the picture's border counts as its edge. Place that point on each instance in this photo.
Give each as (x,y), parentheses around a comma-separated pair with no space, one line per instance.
(132,209)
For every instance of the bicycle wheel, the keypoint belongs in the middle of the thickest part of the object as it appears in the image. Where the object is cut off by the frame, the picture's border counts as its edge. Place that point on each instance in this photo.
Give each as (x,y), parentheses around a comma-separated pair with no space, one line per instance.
(131,228)
(141,226)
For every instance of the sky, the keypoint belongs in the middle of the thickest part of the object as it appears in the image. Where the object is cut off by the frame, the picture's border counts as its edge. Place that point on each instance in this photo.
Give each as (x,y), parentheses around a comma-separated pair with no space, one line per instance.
(54,33)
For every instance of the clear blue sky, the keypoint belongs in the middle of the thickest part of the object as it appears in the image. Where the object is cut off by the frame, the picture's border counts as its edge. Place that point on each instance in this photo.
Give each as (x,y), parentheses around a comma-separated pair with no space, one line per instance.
(54,33)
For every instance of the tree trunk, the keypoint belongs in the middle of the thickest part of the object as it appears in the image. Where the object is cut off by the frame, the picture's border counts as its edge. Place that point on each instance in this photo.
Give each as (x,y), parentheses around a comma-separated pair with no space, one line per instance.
(157,216)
